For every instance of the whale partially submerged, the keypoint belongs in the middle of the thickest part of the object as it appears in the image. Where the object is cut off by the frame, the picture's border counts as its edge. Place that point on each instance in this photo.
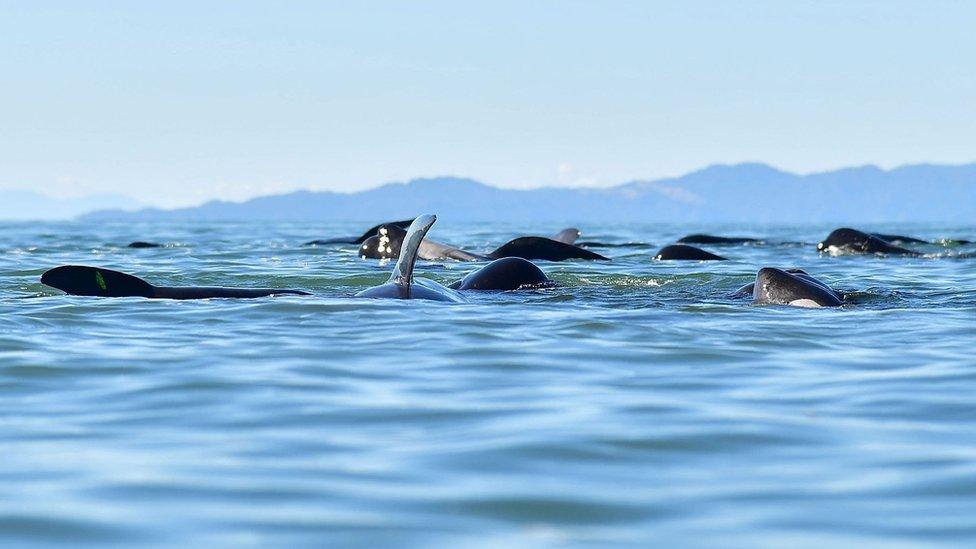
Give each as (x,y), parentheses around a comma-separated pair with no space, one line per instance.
(901,240)
(685,252)
(144,244)
(96,281)
(500,275)
(503,274)
(712,239)
(793,287)
(388,241)
(852,241)
(402,283)
(403,224)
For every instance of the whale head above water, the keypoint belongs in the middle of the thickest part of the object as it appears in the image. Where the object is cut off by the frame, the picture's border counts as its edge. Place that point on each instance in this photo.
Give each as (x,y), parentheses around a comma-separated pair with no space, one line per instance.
(853,241)
(792,287)
(402,283)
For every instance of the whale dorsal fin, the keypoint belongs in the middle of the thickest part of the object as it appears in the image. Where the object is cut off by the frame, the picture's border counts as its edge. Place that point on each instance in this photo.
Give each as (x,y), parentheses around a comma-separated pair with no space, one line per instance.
(567,236)
(403,271)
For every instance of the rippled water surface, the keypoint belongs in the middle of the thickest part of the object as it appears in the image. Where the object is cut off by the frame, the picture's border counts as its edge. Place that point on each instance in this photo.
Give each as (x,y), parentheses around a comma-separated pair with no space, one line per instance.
(634,403)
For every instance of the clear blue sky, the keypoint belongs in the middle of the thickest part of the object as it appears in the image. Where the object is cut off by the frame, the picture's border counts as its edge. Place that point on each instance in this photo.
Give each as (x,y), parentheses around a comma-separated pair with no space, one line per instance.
(177,102)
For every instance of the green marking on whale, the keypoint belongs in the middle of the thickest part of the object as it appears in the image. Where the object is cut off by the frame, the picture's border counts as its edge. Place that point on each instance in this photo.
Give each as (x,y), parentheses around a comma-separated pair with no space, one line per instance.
(100,281)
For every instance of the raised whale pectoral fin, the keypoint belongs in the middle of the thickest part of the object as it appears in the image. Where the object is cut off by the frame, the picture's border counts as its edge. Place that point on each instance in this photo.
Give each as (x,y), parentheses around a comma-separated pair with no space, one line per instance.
(403,270)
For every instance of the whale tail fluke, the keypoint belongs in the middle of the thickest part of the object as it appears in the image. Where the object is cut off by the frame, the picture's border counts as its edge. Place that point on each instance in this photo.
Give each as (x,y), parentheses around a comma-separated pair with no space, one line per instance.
(95,281)
(403,271)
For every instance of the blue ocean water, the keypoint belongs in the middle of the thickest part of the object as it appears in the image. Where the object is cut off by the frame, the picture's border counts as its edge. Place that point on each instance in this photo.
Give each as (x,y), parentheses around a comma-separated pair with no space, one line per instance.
(634,403)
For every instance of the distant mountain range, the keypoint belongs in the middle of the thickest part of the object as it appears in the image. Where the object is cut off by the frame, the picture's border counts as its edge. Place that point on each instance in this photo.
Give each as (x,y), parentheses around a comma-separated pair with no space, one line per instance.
(737,193)
(29,205)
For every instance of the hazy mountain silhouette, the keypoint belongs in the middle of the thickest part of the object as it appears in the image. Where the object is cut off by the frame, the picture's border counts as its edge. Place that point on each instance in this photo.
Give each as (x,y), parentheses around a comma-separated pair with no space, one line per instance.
(743,192)
(29,205)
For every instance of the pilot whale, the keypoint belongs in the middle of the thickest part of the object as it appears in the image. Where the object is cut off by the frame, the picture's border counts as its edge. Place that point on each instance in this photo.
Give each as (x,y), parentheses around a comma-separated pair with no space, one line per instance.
(504,274)
(96,281)
(789,287)
(402,283)
(387,243)
(566,235)
(685,252)
(712,239)
(361,238)
(853,241)
(900,240)
(143,244)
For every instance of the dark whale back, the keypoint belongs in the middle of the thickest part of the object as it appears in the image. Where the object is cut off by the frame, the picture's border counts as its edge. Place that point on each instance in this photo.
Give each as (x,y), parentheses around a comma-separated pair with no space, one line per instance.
(373,230)
(684,252)
(142,244)
(746,291)
(539,247)
(508,273)
(855,241)
(95,281)
(711,239)
(359,239)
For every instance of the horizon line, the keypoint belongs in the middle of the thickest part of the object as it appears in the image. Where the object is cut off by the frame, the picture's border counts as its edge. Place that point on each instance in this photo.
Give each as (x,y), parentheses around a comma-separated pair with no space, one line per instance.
(312,190)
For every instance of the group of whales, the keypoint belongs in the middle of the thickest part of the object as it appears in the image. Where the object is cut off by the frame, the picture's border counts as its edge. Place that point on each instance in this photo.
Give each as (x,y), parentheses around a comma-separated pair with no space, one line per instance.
(510,267)
(384,241)
(502,274)
(388,242)
(838,242)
